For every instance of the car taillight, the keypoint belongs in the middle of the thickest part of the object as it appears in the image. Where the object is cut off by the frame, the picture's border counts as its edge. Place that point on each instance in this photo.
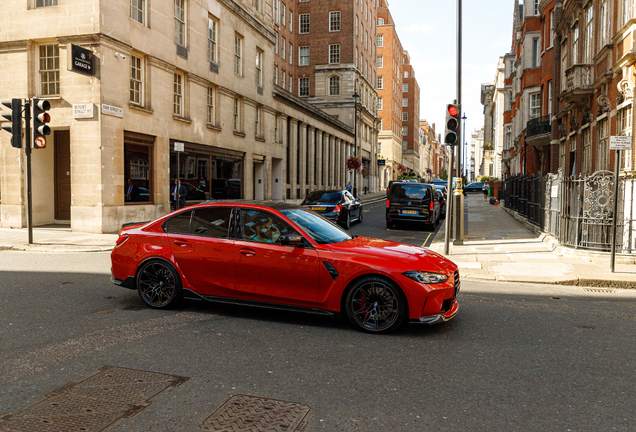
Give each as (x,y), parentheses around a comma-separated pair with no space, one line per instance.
(338,208)
(122,238)
(388,203)
(432,206)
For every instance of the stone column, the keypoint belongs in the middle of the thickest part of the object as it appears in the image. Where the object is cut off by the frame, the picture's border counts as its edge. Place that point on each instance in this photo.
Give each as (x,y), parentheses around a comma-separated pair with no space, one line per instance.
(337,163)
(302,149)
(325,160)
(343,167)
(267,177)
(283,139)
(319,141)
(293,166)
(248,176)
(311,155)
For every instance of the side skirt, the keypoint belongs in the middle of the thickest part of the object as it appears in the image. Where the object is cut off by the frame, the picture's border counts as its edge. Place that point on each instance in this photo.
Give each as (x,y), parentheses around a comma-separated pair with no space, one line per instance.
(191,295)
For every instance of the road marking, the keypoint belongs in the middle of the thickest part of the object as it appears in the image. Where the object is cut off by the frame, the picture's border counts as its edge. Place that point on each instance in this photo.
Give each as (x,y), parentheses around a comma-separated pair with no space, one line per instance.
(372,202)
(428,237)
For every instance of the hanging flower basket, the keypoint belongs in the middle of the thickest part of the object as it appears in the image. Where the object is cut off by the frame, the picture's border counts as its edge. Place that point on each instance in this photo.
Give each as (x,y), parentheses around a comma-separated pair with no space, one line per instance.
(402,168)
(353,163)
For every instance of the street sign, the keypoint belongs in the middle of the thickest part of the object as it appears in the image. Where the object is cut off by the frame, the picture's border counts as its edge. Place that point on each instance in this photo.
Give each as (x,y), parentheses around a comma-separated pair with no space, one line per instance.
(81,60)
(40,142)
(620,142)
(81,111)
(381,162)
(112,110)
(179,147)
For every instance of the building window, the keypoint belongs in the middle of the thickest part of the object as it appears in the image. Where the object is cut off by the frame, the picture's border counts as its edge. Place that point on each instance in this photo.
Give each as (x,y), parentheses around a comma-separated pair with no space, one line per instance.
(405,102)
(179,22)
(624,128)
(283,48)
(587,150)
(334,86)
(303,86)
(212,32)
(291,21)
(178,95)
(138,168)
(405,144)
(356,25)
(628,10)
(275,10)
(136,80)
(49,70)
(283,14)
(291,54)
(283,75)
(238,48)
(406,74)
(405,88)
(334,21)
(257,5)
(380,41)
(589,34)
(237,114)
(535,105)
(259,67)
(536,7)
(334,53)
(291,83)
(303,56)
(380,104)
(44,3)
(575,44)
(276,44)
(211,106)
(380,21)
(259,122)
(380,83)
(405,116)
(603,23)
(602,151)
(276,75)
(551,37)
(136,10)
(380,61)
(535,52)
(304,23)
(405,130)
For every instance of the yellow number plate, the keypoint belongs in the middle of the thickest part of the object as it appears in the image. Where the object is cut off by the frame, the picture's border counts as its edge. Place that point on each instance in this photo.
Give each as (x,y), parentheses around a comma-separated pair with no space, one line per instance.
(413,212)
(319,208)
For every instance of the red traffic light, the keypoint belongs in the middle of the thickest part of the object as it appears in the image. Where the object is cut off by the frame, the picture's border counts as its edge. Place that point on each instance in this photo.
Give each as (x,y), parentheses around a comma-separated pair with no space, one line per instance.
(452,110)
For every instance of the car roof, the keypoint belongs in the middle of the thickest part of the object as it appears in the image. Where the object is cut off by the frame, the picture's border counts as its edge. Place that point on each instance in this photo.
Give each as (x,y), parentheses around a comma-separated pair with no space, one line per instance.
(275,205)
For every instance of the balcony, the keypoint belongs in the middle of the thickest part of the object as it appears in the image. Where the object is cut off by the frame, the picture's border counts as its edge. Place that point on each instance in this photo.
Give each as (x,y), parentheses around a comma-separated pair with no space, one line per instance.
(539,131)
(577,86)
(506,155)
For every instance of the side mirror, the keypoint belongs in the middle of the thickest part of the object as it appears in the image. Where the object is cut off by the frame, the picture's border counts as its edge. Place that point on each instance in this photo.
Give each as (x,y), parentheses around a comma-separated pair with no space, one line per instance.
(291,240)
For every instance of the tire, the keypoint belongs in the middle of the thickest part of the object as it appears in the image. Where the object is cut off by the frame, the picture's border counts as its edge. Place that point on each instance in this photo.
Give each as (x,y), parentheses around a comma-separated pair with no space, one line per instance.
(375,305)
(389,224)
(158,284)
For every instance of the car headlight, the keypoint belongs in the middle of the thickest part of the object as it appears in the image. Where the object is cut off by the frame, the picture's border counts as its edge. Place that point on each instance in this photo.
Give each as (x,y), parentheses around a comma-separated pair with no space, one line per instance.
(426,277)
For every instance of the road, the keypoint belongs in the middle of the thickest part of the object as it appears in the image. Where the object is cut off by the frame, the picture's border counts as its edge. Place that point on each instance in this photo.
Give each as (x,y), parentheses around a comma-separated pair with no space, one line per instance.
(516,358)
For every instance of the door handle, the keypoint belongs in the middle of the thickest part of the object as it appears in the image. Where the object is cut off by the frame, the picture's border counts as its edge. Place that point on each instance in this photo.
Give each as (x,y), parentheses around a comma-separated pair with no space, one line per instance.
(247,252)
(181,243)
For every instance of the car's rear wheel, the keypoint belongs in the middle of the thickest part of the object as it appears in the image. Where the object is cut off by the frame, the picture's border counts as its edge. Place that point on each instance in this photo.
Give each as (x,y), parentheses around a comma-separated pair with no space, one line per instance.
(158,284)
(376,305)
(347,222)
(389,224)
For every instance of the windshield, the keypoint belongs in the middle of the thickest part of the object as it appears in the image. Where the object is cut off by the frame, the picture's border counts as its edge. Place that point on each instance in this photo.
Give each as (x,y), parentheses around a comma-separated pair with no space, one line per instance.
(327,197)
(318,228)
(409,191)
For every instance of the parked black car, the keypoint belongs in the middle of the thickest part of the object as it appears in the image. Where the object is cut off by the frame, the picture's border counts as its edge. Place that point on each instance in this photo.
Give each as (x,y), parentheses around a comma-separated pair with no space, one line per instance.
(474,187)
(225,188)
(336,205)
(412,202)
(193,194)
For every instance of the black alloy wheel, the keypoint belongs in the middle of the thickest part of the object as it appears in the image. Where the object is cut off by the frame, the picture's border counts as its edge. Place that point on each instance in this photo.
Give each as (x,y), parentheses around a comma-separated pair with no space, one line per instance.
(158,284)
(376,305)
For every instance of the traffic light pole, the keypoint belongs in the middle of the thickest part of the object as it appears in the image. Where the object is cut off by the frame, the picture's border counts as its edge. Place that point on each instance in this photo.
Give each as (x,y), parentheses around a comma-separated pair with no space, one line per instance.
(459,202)
(27,149)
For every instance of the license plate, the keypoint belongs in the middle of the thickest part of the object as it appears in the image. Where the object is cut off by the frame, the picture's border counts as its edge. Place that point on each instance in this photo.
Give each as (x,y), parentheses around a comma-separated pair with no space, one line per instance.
(413,212)
(319,208)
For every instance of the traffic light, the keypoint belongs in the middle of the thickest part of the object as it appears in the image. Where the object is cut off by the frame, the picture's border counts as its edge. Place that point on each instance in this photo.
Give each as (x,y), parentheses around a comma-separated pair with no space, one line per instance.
(15,128)
(40,118)
(452,124)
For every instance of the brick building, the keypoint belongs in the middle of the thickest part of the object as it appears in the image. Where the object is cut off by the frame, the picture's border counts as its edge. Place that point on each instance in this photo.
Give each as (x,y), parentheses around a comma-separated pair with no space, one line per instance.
(411,117)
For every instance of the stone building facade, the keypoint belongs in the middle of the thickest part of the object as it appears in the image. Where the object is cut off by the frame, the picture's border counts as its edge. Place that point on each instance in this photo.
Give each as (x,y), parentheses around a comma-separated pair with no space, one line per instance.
(195,72)
(411,118)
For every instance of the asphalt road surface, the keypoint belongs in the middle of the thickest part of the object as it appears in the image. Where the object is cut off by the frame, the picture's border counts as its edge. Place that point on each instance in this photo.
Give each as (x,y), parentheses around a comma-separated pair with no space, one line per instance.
(516,358)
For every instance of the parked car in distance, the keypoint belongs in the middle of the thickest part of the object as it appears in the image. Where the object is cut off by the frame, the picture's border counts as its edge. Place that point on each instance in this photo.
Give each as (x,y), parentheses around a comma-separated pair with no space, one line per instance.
(408,202)
(442,203)
(338,206)
(286,257)
(474,187)
(193,194)
(225,188)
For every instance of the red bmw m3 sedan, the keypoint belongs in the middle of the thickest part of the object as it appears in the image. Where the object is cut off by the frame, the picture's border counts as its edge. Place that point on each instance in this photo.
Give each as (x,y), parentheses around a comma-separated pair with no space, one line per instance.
(283,256)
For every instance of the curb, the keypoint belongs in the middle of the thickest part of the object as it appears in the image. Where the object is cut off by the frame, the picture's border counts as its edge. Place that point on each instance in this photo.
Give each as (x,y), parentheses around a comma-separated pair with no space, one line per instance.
(35,248)
(591,283)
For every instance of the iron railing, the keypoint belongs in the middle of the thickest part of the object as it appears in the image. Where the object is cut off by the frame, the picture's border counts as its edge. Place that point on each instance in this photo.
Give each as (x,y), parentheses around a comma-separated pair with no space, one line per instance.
(538,126)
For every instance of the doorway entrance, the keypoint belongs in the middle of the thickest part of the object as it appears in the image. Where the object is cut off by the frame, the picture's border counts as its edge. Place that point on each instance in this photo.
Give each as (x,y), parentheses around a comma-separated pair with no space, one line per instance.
(63,176)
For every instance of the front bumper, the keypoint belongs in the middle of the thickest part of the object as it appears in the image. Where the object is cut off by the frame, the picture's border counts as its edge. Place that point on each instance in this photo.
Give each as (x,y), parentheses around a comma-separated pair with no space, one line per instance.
(439,318)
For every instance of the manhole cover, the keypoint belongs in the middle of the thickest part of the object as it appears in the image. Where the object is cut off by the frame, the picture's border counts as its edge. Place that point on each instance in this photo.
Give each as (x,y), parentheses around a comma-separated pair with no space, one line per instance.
(253,414)
(93,404)
(600,290)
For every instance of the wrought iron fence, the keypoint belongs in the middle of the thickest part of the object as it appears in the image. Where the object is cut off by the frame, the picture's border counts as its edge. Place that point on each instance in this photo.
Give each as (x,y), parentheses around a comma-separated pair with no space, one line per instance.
(577,211)
(539,126)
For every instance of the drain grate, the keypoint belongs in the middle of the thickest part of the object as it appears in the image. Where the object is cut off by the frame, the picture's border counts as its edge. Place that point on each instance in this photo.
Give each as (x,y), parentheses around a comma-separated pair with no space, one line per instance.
(93,404)
(253,414)
(600,290)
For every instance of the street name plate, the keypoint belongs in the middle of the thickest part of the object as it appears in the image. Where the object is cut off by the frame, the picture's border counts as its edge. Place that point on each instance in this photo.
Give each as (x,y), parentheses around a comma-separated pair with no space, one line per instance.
(179,147)
(81,111)
(620,143)
(112,111)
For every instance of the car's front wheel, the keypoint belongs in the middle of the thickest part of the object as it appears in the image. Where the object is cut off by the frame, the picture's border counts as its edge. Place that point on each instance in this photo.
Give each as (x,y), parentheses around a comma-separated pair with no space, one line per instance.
(376,305)
(158,284)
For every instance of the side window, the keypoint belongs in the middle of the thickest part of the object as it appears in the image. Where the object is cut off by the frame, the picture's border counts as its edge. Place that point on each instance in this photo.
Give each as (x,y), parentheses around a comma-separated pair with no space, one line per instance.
(211,222)
(179,224)
(263,227)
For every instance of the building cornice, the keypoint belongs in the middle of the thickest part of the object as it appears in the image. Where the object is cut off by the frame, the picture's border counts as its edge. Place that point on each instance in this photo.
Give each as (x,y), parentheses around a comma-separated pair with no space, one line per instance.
(249,19)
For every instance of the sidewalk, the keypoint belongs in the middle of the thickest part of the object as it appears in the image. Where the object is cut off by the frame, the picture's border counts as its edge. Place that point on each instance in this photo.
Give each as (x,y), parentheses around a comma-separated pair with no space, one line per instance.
(497,247)
(55,240)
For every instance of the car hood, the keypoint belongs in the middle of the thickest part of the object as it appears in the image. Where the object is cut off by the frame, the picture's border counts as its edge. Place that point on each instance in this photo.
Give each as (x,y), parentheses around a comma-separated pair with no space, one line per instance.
(398,254)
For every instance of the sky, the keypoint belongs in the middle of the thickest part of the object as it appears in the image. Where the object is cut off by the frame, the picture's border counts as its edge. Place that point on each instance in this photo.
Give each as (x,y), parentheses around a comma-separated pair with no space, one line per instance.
(427,30)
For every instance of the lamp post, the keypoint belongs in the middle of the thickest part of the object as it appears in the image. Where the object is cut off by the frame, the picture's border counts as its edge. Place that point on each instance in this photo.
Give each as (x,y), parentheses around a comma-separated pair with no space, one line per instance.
(355,139)
(465,162)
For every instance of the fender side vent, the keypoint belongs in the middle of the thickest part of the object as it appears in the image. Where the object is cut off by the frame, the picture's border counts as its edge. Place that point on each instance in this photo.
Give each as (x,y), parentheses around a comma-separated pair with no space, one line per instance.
(331,269)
